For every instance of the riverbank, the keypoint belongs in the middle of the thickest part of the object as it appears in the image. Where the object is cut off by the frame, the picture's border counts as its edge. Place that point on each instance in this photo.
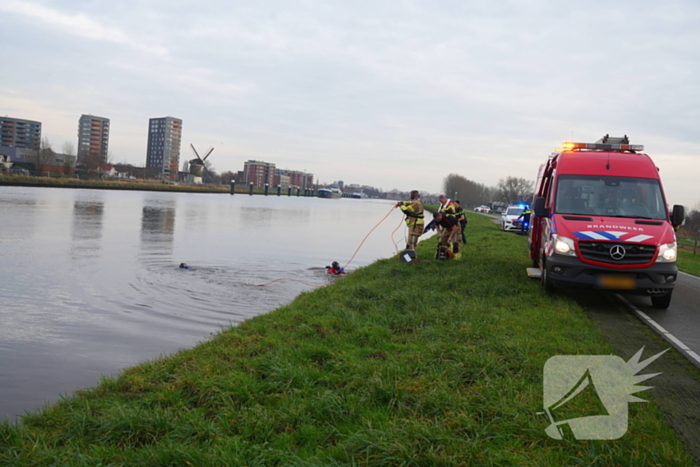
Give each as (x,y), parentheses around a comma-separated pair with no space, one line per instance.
(48,182)
(436,363)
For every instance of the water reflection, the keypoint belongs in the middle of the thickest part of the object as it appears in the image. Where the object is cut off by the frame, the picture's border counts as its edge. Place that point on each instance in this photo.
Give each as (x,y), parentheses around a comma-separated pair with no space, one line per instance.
(21,208)
(158,228)
(260,217)
(90,280)
(196,217)
(87,228)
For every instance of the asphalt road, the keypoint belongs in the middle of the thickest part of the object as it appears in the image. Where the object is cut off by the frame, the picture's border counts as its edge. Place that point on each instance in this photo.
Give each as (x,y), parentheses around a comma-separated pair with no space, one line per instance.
(681,320)
(679,325)
(676,388)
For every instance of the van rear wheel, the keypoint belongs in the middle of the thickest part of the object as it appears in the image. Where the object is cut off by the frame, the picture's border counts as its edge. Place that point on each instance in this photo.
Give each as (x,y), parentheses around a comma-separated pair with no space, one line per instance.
(662,301)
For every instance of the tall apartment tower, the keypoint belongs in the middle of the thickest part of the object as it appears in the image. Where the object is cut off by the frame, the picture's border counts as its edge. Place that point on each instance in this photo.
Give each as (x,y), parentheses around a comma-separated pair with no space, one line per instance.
(93,140)
(163,152)
(18,133)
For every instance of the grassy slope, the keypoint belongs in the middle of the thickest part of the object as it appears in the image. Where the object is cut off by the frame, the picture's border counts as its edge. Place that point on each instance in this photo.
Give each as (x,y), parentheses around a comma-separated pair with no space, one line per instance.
(48,182)
(688,262)
(428,364)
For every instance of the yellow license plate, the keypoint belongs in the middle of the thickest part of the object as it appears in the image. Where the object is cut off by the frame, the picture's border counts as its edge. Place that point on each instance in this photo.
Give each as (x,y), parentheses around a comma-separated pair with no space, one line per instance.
(617,281)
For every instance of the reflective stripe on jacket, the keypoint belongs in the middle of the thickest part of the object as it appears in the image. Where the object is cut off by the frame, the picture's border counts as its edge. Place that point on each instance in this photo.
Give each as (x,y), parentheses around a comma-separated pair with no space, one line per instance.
(448,208)
(459,213)
(413,211)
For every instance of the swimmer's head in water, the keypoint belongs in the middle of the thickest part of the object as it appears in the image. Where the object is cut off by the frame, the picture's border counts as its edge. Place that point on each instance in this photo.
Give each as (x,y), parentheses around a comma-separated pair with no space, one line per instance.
(184,266)
(335,265)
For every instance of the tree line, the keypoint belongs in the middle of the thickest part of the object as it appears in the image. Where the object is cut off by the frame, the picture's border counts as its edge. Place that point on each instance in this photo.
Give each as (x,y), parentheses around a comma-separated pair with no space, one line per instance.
(510,190)
(692,223)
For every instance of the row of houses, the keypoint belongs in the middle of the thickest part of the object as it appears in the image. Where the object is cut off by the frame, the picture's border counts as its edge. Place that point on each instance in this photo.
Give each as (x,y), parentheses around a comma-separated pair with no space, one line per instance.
(261,174)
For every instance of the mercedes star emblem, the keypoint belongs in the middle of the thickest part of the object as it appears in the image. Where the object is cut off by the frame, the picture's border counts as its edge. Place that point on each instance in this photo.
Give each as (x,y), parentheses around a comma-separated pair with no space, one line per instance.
(617,252)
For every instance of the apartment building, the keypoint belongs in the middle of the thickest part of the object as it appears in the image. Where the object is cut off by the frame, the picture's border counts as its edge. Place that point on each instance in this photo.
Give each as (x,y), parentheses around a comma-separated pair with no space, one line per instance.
(20,133)
(163,151)
(93,140)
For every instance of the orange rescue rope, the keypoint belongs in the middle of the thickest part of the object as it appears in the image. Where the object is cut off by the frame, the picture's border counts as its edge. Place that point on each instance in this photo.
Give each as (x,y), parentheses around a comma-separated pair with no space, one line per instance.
(368,233)
(353,255)
(392,235)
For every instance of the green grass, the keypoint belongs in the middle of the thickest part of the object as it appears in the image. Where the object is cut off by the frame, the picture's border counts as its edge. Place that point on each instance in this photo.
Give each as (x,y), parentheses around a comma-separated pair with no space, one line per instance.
(688,262)
(432,364)
(686,241)
(21,180)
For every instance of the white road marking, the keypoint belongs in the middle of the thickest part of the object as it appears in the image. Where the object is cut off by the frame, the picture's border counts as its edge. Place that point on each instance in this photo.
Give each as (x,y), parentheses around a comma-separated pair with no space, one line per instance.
(694,355)
(663,332)
(688,275)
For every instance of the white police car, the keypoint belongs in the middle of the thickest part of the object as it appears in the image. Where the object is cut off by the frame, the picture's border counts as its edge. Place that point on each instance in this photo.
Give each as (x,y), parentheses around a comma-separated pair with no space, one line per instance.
(509,219)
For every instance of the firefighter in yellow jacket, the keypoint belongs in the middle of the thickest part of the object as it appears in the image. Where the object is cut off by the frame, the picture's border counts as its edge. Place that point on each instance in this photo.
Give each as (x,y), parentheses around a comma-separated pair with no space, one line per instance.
(414,218)
(448,208)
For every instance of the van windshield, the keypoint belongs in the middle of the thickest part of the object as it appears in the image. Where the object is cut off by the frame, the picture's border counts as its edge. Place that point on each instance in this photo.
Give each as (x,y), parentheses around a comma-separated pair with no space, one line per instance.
(632,197)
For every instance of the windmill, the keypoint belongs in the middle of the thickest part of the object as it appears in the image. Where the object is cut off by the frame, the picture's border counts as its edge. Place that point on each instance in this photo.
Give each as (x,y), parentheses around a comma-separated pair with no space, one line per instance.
(197,167)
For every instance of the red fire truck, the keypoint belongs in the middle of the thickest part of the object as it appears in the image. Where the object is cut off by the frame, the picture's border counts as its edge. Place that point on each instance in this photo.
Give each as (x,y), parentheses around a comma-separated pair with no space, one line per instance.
(600,221)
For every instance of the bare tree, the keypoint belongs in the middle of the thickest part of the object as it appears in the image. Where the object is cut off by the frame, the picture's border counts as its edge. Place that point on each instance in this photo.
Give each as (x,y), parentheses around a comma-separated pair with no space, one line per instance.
(468,192)
(91,159)
(44,156)
(452,184)
(68,148)
(514,190)
(691,226)
(226,177)
(68,151)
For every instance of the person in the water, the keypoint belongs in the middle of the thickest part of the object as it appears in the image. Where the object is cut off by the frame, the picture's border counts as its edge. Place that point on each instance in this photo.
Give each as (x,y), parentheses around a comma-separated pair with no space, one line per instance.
(335,268)
(185,266)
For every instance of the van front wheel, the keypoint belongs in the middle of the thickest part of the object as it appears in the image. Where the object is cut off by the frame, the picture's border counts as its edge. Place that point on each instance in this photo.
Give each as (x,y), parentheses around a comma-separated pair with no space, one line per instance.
(546,284)
(662,301)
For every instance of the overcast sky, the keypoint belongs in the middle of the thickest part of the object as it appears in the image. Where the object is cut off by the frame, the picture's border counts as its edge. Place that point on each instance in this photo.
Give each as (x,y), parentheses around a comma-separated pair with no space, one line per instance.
(393,94)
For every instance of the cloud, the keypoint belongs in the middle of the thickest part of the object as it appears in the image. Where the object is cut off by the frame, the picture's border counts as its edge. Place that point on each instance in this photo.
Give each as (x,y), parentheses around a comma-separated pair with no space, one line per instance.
(375,92)
(79,25)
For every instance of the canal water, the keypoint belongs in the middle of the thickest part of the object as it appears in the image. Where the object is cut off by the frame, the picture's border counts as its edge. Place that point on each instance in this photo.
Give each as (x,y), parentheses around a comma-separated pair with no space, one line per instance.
(90,280)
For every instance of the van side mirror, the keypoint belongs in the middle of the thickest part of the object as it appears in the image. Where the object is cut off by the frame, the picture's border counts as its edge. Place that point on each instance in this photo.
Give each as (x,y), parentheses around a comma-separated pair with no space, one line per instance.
(539,209)
(678,215)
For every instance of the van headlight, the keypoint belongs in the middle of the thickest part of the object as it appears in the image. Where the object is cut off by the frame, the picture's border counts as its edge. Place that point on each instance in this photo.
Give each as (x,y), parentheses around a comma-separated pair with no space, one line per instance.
(563,245)
(667,253)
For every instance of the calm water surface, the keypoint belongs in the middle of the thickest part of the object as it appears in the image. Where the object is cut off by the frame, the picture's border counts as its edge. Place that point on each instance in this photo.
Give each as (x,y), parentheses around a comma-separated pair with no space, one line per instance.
(90,283)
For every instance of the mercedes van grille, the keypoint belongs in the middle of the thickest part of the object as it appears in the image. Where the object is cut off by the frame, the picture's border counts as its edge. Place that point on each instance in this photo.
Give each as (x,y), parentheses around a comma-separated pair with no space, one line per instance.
(617,253)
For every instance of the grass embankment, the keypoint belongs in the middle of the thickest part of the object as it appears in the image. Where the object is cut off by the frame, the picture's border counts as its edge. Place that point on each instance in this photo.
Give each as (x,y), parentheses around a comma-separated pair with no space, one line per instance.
(688,262)
(436,363)
(53,182)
